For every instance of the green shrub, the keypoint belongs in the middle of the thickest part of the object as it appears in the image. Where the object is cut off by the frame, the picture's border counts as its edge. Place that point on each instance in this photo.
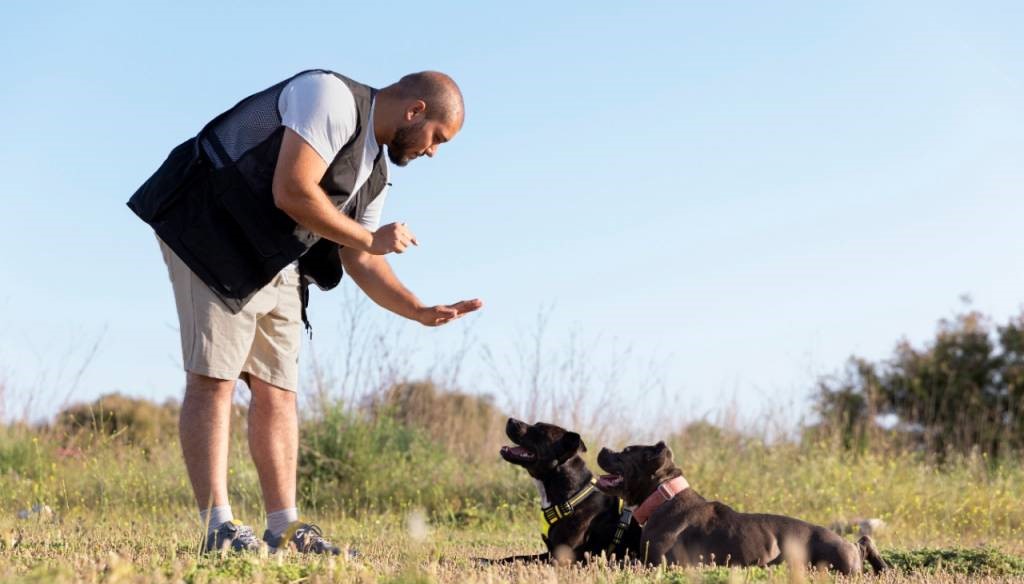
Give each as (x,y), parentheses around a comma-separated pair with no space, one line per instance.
(359,463)
(20,452)
(470,426)
(135,420)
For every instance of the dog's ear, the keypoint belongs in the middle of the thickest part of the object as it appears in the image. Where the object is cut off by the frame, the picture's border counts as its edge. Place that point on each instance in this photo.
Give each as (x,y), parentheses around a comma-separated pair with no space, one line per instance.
(662,454)
(571,444)
(664,450)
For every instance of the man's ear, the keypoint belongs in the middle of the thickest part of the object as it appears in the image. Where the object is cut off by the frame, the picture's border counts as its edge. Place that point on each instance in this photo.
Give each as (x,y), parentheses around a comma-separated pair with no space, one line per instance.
(415,110)
(572,444)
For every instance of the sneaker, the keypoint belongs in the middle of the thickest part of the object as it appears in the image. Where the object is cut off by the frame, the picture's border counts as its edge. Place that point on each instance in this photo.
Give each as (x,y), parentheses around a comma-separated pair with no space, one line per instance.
(234,536)
(306,538)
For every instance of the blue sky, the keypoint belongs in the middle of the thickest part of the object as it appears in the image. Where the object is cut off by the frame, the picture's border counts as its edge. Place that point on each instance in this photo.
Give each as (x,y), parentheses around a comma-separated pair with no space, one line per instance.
(748,191)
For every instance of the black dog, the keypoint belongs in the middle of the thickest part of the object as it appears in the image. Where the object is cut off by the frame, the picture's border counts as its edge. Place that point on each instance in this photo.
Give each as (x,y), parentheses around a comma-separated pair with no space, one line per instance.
(681,527)
(580,520)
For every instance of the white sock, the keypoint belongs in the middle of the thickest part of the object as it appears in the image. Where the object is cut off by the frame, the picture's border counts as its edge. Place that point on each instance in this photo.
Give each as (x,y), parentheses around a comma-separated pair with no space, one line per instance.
(214,517)
(278,521)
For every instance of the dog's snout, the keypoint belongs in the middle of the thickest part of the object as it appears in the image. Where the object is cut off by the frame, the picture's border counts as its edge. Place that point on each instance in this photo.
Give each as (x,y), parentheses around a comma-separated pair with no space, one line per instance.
(514,428)
(604,457)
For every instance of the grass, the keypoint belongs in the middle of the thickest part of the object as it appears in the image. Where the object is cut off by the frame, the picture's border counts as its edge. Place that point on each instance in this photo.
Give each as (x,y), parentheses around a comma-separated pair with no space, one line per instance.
(122,511)
(92,547)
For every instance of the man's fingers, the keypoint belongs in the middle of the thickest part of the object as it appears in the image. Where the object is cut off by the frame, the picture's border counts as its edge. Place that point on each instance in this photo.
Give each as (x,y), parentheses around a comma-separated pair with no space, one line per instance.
(403,234)
(439,315)
(468,305)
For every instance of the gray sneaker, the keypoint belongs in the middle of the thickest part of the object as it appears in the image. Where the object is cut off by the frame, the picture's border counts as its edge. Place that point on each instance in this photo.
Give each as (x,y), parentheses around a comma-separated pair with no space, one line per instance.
(306,538)
(234,536)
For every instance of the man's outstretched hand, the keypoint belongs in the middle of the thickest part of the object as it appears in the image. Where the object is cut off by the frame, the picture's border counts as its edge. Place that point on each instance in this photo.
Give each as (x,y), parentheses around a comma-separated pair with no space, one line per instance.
(443,314)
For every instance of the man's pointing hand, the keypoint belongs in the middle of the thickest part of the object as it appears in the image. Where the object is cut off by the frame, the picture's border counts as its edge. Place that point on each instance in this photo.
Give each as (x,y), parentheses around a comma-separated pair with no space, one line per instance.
(393,237)
(443,314)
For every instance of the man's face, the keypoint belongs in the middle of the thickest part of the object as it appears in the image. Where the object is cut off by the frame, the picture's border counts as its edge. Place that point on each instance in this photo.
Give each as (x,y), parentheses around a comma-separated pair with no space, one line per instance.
(418,137)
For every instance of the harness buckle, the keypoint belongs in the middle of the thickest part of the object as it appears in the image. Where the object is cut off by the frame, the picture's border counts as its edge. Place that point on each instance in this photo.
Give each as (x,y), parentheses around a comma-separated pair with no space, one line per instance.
(564,509)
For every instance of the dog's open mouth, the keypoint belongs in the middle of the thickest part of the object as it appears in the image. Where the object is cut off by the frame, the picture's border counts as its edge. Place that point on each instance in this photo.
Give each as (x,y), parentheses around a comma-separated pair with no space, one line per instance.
(517,454)
(609,481)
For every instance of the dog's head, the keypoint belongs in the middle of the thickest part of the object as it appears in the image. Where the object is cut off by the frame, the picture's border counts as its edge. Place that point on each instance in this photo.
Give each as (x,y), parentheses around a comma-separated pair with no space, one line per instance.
(636,471)
(540,447)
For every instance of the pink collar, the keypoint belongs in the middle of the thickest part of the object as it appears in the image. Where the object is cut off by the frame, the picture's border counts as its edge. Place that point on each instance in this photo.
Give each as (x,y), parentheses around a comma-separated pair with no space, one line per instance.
(663,493)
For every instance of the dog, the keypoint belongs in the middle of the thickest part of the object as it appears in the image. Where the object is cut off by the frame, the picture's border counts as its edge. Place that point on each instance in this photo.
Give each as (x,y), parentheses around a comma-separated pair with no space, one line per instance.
(578,521)
(681,527)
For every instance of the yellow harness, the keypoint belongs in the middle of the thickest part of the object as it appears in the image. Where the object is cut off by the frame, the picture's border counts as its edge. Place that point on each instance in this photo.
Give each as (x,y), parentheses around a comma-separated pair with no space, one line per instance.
(551,515)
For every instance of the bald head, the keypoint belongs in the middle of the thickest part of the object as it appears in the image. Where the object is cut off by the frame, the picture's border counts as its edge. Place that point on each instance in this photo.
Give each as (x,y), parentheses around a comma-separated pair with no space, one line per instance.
(414,116)
(437,90)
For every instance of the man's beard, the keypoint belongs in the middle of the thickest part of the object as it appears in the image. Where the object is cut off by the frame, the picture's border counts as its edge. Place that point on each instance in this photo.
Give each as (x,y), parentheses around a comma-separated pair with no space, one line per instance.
(402,144)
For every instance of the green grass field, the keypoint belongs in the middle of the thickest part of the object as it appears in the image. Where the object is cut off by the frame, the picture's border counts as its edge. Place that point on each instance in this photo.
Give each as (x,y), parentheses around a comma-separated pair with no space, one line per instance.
(419,513)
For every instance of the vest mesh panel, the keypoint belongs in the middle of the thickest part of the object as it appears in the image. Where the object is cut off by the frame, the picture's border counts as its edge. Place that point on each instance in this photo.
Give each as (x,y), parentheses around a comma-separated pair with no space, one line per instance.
(252,122)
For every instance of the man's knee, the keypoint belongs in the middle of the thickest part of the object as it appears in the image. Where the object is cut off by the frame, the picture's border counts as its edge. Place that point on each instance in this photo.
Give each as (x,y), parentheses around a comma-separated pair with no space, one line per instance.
(265,394)
(201,385)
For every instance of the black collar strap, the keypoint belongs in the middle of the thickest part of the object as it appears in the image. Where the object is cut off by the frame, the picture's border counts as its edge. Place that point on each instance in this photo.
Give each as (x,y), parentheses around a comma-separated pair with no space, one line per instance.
(562,510)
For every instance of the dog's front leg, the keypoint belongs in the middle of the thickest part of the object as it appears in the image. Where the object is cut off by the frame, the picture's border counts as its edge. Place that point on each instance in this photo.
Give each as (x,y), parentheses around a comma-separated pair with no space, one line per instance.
(655,551)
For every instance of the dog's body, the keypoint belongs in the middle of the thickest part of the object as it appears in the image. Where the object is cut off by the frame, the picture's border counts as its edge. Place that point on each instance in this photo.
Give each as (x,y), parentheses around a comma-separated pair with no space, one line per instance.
(550,455)
(686,529)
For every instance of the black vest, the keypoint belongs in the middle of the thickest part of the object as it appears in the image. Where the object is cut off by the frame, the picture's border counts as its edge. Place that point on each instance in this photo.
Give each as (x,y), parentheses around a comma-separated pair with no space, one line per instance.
(211,201)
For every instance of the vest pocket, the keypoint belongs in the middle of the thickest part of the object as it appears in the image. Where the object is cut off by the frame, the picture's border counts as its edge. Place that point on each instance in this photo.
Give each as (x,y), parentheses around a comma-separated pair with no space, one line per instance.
(237,233)
(217,242)
(253,213)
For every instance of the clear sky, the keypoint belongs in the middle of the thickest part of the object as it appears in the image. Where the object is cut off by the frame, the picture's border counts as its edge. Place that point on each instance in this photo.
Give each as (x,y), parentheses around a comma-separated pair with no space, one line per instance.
(749,191)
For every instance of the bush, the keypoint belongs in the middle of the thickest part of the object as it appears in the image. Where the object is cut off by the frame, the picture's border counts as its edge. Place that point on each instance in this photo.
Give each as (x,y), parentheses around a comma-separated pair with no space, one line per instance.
(356,462)
(467,425)
(137,421)
(20,453)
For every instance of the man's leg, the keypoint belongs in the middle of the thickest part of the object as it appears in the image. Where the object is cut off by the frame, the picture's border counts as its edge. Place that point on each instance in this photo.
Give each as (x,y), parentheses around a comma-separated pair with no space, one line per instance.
(274,442)
(273,372)
(214,344)
(204,427)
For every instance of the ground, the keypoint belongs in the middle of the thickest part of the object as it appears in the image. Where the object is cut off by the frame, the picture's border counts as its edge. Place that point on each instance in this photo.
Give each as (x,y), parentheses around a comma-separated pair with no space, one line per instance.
(155,545)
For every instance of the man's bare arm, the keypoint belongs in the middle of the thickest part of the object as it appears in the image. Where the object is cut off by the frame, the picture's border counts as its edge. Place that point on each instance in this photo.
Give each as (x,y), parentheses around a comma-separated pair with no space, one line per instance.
(373,274)
(298,193)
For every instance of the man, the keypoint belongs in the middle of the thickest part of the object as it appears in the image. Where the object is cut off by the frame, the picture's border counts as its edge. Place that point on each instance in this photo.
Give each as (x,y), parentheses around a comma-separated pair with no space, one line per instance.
(282,190)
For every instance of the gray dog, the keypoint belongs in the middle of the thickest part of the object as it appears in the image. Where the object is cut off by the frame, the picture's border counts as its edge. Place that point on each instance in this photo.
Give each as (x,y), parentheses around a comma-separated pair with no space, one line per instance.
(681,527)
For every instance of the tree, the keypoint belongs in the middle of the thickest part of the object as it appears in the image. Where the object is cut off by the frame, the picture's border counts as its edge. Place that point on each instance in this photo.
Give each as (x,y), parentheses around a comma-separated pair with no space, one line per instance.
(960,392)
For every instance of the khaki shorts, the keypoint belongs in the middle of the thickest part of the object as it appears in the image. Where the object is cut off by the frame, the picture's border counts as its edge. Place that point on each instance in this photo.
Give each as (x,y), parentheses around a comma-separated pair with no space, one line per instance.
(262,340)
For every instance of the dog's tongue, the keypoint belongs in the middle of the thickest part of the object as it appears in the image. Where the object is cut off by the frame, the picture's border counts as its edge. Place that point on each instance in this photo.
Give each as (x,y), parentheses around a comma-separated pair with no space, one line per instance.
(609,480)
(517,451)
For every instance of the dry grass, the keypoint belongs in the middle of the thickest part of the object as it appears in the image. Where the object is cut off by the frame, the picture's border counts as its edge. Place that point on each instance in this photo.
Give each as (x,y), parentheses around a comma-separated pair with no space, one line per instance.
(112,547)
(123,514)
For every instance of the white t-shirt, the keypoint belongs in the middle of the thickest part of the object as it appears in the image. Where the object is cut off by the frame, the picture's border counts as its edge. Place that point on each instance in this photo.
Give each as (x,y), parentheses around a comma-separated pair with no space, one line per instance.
(320,108)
